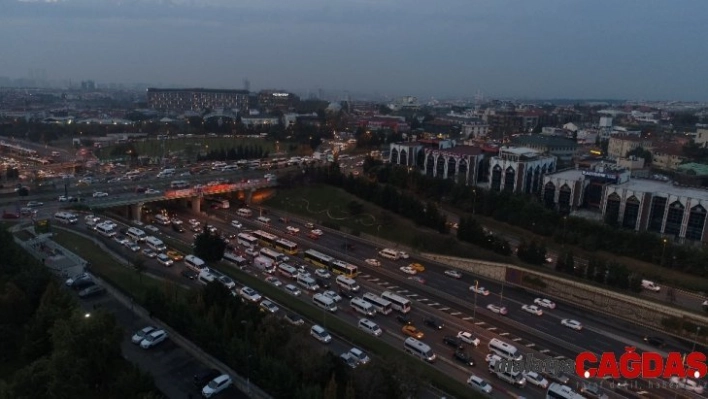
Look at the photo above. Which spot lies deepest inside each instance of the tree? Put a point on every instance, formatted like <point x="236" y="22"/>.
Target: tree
<point x="330" y="391"/>
<point x="209" y="247"/>
<point x="355" y="208"/>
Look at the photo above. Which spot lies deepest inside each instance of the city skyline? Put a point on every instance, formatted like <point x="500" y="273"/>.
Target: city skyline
<point x="546" y="49"/>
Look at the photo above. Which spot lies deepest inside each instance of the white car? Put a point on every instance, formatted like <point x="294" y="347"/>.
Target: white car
<point x="268" y="306"/>
<point x="570" y="323"/>
<point x="534" y="378"/>
<point x="546" y="303"/>
<point x="250" y="294"/>
<point x="110" y="224"/>
<point x="216" y="385"/>
<point x="252" y="252"/>
<point x="236" y="224"/>
<point x="480" y="384"/>
<point x="501" y="310"/>
<point x="359" y="355"/>
<point x="317" y="232"/>
<point x="468" y="338"/>
<point x="453" y="273"/>
<point x="373" y="262"/>
<point x="403" y="255"/>
<point x="292" y="230"/>
<point x="320" y="334"/>
<point x="479" y="290"/>
<point x="149" y="253"/>
<point x="408" y="270"/>
<point x="687" y="384"/>
<point x="227" y="282"/>
<point x="533" y="309"/>
<point x="152" y="228"/>
<point x="332" y="295"/>
<point x="165" y="260"/>
<point x="133" y="247"/>
<point x="152" y="191"/>
<point x="98" y="194"/>
<point x="322" y="273"/>
<point x="292" y="290"/>
<point x="274" y="281"/>
<point x="193" y="222"/>
<point x="140" y="335"/>
<point x="153" y="339"/>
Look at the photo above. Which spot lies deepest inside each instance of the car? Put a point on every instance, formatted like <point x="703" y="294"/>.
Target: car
<point x="227" y="282"/>
<point x="373" y="262"/>
<point x="34" y="204"/>
<point x="216" y="385"/>
<point x="687" y="384"/>
<point x="705" y="304"/>
<point x="139" y="336"/>
<point x="320" y="334"/>
<point x="433" y="323"/>
<point x="349" y="360"/>
<point x="165" y="260"/>
<point x="322" y="283"/>
<point x="99" y="194"/>
<point x="479" y="384"/>
<point x="360" y="356"/>
<point x="407" y="270"/>
<point x="333" y="296"/>
<point x="236" y="224"/>
<point x="322" y="273"/>
<point x="501" y="310"/>
<point x="412" y="331"/>
<point x="533" y="309"/>
<point x="310" y="225"/>
<point x="592" y="390"/>
<point x="70" y="281"/>
<point x="151" y="191"/>
<point x="82" y="284"/>
<point x="453" y="274"/>
<point x="536" y="379"/>
<point x="403" y="255"/>
<point x="418" y="279"/>
<point x="190" y="274"/>
<point x="346" y="294"/>
<point x="293" y="290"/>
<point x="302" y="270"/>
<point x="294" y="319"/>
<point x="152" y="229"/>
<point x="417" y="267"/>
<point x="613" y="383"/>
<point x="274" y="281"/>
<point x="204" y="376"/>
<point x="317" y="232"/>
<point x="133" y="246"/>
<point x="63" y="198"/>
<point x="655" y="341"/>
<point x="490" y="356"/>
<point x="546" y="303"/>
<point x="479" y="290"/>
<point x="292" y="230"/>
<point x="313" y="236"/>
<point x="149" y="253"/>
<point x="463" y="357"/>
<point x="404" y="319"/>
<point x="176" y="227"/>
<point x="453" y="341"/>
<point x="252" y="252"/>
<point x="468" y="338"/>
<point x="250" y="294"/>
<point x="570" y="323"/>
<point x="268" y="306"/>
<point x="153" y="339"/>
<point x="122" y="240"/>
<point x="194" y="222"/>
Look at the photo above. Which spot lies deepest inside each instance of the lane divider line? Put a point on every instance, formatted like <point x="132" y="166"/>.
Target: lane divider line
<point x="504" y="334"/>
<point x="531" y="345"/>
<point x="454" y="313"/>
<point x="467" y="318"/>
<point x="559" y="357"/>
<point x="480" y="323"/>
<point x="544" y="351"/>
<point x="443" y="309"/>
<point x="492" y="329"/>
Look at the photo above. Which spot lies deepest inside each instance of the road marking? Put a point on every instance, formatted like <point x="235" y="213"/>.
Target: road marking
<point x="544" y="351"/>
<point x="401" y="291"/>
<point x="467" y="318"/>
<point x="517" y="339"/>
<point x="559" y="357"/>
<point x="412" y="295"/>
<point x="480" y="323"/>
<point x="504" y="334"/>
<point x="392" y="287"/>
<point x="365" y="275"/>
<point x="455" y="313"/>
<point x="531" y="345"/>
<point x="373" y="280"/>
<point x="492" y="329"/>
<point x="443" y="309"/>
<point x="434" y="304"/>
<point x="423" y="300"/>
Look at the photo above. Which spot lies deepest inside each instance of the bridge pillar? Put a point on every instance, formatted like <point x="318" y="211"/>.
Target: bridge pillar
<point x="196" y="204"/>
<point x="249" y="196"/>
<point x="136" y="211"/>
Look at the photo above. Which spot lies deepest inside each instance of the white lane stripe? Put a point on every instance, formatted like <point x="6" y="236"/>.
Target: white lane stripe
<point x="544" y="351"/>
<point x="492" y="329"/>
<point x="444" y="309"/>
<point x="504" y="334"/>
<point x="467" y="318"/>
<point x="559" y="357"/>
<point x="531" y="345"/>
<point x="455" y="313"/>
<point x="517" y="339"/>
<point x="479" y="323"/>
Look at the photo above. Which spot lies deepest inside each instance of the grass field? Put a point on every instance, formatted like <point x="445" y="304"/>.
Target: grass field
<point x="193" y="146"/>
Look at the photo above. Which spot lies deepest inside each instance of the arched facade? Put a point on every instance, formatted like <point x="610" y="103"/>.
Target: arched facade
<point x="520" y="173"/>
<point x="459" y="164"/>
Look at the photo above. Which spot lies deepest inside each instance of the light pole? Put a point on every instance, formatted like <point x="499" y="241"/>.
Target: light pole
<point x="698" y="331"/>
<point x="474" y="202"/>
<point x="663" y="250"/>
<point x="248" y="357"/>
<point x="474" y="309"/>
<point x="501" y="295"/>
<point x="565" y="229"/>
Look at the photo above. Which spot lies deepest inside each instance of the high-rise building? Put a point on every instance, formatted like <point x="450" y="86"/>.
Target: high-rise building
<point x="196" y="99"/>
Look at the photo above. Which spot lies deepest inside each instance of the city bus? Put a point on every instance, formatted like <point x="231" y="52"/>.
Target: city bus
<point x="558" y="391"/>
<point x="381" y="305"/>
<point x="246" y="240"/>
<point x="286" y="246"/>
<point x="318" y="258"/>
<point x="264" y="238"/>
<point x="398" y="303"/>
<point x="346" y="269"/>
<point x="275" y="256"/>
<point x="179" y="184"/>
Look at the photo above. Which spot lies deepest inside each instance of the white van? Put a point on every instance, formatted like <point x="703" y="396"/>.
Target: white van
<point x="419" y="349"/>
<point x="324" y="302"/>
<point x="195" y="263"/>
<point x="244" y="212"/>
<point x="506" y="351"/>
<point x="136" y="234"/>
<point x="265" y="264"/>
<point x="649" y="285"/>
<point x="155" y="244"/>
<point x="361" y="306"/>
<point x="389" y="253"/>
<point x="347" y="284"/>
<point x="240" y="261"/>
<point x="66" y="217"/>
<point x="287" y="271"/>
<point x="370" y="327"/>
<point x="105" y="230"/>
<point x="307" y="283"/>
<point x="205" y="277"/>
<point x="162" y="219"/>
<point x="263" y="219"/>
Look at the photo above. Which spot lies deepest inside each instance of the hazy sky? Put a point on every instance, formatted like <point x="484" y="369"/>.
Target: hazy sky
<point x="643" y="49"/>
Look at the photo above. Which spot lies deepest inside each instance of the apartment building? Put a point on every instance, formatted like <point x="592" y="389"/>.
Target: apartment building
<point x="196" y="99"/>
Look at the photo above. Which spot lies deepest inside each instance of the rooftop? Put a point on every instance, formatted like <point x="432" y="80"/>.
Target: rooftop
<point x="157" y="90"/>
<point x="698" y="169"/>
<point x="460" y="150"/>
<point x="664" y="189"/>
<point x="541" y="140"/>
<point x="519" y="151"/>
<point x="570" y="174"/>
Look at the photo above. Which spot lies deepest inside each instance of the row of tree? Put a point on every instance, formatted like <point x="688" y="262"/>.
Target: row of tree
<point x="469" y="230"/>
<point x="282" y="359"/>
<point x="235" y="153"/>
<point x="529" y="213"/>
<point x="49" y="348"/>
<point x="599" y="271"/>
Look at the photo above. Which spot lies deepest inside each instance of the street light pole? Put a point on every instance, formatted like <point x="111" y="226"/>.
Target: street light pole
<point x="663" y="250"/>
<point x="474" y="203"/>
<point x="474" y="309"/>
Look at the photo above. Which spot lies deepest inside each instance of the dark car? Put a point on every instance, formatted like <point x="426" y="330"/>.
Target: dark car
<point x="655" y="341"/>
<point x="322" y="283"/>
<point x="404" y="319"/>
<point x="190" y="274"/>
<point x="82" y="284"/>
<point x="346" y="294"/>
<point x="177" y="228"/>
<point x="433" y="323"/>
<point x="203" y="377"/>
<point x="93" y="290"/>
<point x="463" y="358"/>
<point x="453" y="341"/>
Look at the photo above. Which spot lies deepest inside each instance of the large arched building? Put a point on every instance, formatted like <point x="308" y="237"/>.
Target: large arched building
<point x="519" y="169"/>
<point x="460" y="164"/>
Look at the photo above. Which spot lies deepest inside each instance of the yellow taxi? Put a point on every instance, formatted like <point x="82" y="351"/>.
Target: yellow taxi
<point x="417" y="267"/>
<point x="174" y="255"/>
<point x="411" y="331"/>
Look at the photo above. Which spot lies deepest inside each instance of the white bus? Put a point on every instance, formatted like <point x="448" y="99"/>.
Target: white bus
<point x="105" y="230"/>
<point x="347" y="284"/>
<point x="155" y="244"/>
<point x="307" y="283"/>
<point x="136" y="234"/>
<point x="381" y="305"/>
<point x="389" y="253"/>
<point x="178" y="184"/>
<point x="246" y="240"/>
<point x="419" y="349"/>
<point x="244" y="212"/>
<point x="324" y="302"/>
<point x="361" y="306"/>
<point x="275" y="256"/>
<point x="66" y="217"/>
<point x="504" y="350"/>
<point x="398" y="303"/>
<point x="558" y="391"/>
<point x="195" y="264"/>
<point x="287" y="270"/>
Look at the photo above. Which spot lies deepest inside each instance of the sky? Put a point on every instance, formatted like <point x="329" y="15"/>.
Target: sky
<point x="602" y="49"/>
